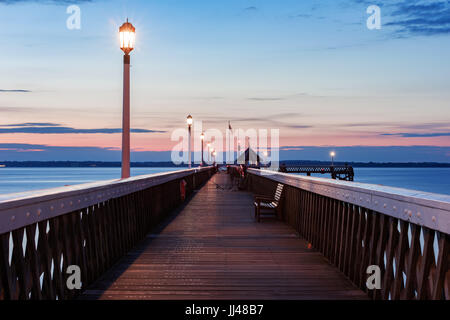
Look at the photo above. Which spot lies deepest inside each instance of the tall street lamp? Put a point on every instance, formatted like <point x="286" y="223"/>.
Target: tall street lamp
<point x="189" y="122"/>
<point x="127" y="39"/>
<point x="202" y="137"/>
<point x="209" y="152"/>
<point x="332" y="154"/>
<point x="238" y="151"/>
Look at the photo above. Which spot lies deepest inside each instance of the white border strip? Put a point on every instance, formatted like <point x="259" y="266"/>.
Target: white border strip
<point x="425" y="209"/>
<point x="22" y="209"/>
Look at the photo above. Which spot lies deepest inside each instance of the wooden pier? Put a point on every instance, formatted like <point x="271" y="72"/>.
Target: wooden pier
<point x="191" y="234"/>
<point x="213" y="249"/>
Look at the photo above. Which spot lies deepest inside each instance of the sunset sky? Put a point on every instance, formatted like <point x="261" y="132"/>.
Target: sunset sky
<point x="309" y="68"/>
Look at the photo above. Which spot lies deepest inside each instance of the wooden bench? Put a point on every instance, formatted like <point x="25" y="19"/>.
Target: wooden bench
<point x="269" y="205"/>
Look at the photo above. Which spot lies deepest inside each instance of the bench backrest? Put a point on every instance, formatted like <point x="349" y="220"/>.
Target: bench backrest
<point x="279" y="192"/>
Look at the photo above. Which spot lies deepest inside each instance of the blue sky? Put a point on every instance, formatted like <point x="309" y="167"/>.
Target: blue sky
<point x="310" y="68"/>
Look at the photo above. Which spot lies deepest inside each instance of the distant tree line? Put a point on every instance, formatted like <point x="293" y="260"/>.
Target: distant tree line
<point x="370" y="164"/>
<point x="167" y="164"/>
<point x="84" y="164"/>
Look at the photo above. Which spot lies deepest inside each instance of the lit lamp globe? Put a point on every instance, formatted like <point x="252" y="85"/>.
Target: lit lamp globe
<point x="332" y="154"/>
<point x="189" y="120"/>
<point x="127" y="37"/>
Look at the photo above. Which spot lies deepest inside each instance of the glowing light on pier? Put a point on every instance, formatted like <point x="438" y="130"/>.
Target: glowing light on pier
<point x="189" y="120"/>
<point x="127" y="34"/>
<point x="332" y="155"/>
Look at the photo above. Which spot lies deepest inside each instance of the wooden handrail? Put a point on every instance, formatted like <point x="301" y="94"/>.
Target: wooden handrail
<point x="20" y="209"/>
<point x="91" y="226"/>
<point x="422" y="208"/>
<point x="405" y="233"/>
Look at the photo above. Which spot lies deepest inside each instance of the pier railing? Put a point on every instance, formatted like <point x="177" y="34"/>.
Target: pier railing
<point x="89" y="226"/>
<point x="405" y="233"/>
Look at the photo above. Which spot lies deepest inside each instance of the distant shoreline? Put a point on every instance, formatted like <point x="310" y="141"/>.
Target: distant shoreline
<point x="99" y="164"/>
<point x="372" y="164"/>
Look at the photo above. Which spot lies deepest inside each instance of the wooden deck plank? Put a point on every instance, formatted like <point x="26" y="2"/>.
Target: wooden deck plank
<point x="213" y="249"/>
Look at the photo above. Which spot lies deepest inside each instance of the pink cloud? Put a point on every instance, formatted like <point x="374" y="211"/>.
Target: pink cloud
<point x="148" y="142"/>
<point x="30" y="150"/>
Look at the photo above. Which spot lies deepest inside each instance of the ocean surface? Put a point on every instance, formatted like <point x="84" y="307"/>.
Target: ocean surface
<point x="12" y="180"/>
<point x="434" y="180"/>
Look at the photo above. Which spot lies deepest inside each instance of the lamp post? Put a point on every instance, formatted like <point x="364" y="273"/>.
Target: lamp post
<point x="127" y="39"/>
<point x="209" y="152"/>
<point x="332" y="154"/>
<point x="202" y="138"/>
<point x="214" y="156"/>
<point x="239" y="151"/>
<point x="189" y="122"/>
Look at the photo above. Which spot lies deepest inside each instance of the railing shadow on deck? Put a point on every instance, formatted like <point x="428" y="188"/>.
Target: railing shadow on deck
<point x="91" y="226"/>
<point x="403" y="232"/>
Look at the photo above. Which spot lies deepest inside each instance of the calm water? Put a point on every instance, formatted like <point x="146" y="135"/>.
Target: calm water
<point x="435" y="180"/>
<point x="13" y="180"/>
<point x="26" y="179"/>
